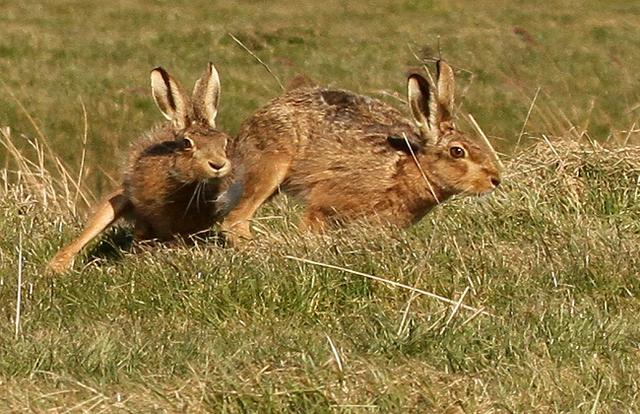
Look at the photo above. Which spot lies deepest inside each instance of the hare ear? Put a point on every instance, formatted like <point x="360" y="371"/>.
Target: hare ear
<point x="206" y="96"/>
<point x="444" y="95"/>
<point x="419" y="102"/>
<point x="169" y="97"/>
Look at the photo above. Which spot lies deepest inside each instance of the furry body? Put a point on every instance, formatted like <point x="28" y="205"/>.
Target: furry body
<point x="349" y="156"/>
<point x="176" y="181"/>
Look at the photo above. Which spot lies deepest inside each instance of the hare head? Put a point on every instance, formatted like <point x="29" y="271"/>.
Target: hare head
<point x="458" y="164"/>
<point x="202" y="146"/>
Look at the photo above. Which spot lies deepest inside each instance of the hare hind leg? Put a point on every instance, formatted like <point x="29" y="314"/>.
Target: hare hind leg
<point x="322" y="210"/>
<point x="314" y="220"/>
<point x="261" y="181"/>
<point x="109" y="210"/>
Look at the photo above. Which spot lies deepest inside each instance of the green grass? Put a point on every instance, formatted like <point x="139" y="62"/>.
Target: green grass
<point x="553" y="256"/>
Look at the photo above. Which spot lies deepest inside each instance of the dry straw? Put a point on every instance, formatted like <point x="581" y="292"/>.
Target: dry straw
<point x="456" y="304"/>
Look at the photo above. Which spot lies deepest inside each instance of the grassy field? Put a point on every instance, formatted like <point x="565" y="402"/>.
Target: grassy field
<point x="541" y="276"/>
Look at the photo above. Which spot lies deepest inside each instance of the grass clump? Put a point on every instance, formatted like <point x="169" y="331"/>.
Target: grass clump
<point x="551" y="257"/>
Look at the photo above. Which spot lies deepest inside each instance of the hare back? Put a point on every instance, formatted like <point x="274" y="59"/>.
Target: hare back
<point x="340" y="153"/>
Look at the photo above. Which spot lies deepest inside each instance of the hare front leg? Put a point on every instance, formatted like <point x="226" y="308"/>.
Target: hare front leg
<point x="261" y="181"/>
<point x="108" y="211"/>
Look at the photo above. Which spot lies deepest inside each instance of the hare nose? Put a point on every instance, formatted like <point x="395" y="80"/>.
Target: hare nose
<point x="217" y="165"/>
<point x="495" y="181"/>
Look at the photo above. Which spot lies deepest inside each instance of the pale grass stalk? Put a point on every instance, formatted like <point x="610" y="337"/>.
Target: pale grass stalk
<point x="83" y="403"/>
<point x="466" y="89"/>
<point x="436" y="322"/>
<point x="422" y="62"/>
<point x="5" y="180"/>
<point x="23" y="163"/>
<point x="470" y="318"/>
<point x="486" y="141"/>
<point x="26" y="168"/>
<point x="587" y="120"/>
<point x="104" y="409"/>
<point x="553" y="149"/>
<point x="405" y="314"/>
<point x="38" y="178"/>
<point x="336" y="356"/>
<point x="62" y="170"/>
<point x="633" y="108"/>
<point x="353" y="406"/>
<point x="53" y="394"/>
<point x="455" y="310"/>
<point x="58" y="377"/>
<point x="85" y="135"/>
<point x="424" y="176"/>
<point x="259" y="60"/>
<point x="526" y="119"/>
<point x="92" y="407"/>
<point x="91" y="389"/>
<point x="562" y="120"/>
<point x="391" y="282"/>
<point x="464" y="265"/>
<point x="629" y="132"/>
<point x="41" y="170"/>
<point x="391" y="95"/>
<point x="594" y="408"/>
<point x="551" y="117"/>
<point x="19" y="293"/>
<point x="32" y="121"/>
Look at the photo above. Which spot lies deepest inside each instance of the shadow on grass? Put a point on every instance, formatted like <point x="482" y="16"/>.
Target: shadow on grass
<point x="112" y="245"/>
<point x="119" y="240"/>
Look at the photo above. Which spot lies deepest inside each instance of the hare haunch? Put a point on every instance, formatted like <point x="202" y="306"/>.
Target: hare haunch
<point x="349" y="156"/>
<point x="173" y="184"/>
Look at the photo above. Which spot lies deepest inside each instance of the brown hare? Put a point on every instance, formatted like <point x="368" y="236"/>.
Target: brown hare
<point x="349" y="156"/>
<point x="173" y="184"/>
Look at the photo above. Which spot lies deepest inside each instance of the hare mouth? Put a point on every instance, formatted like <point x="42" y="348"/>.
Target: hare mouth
<point x="213" y="173"/>
<point x="477" y="192"/>
<point x="221" y="173"/>
<point x="487" y="192"/>
<point x="212" y="179"/>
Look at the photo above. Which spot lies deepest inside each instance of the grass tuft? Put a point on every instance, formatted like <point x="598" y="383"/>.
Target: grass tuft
<point x="551" y="257"/>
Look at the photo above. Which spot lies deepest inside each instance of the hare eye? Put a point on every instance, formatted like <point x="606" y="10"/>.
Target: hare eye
<point x="187" y="143"/>
<point x="457" y="152"/>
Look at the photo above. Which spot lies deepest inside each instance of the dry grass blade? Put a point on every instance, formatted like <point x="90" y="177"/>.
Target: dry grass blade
<point x="85" y="134"/>
<point x="486" y="141"/>
<point x="19" y="289"/>
<point x="594" y="408"/>
<point x="390" y="282"/>
<point x="235" y="39"/>
<point x="526" y="119"/>
<point x="455" y="310"/>
<point x="424" y="176"/>
<point x="53" y="186"/>
<point x="336" y="356"/>
<point x="405" y="314"/>
<point x="32" y="121"/>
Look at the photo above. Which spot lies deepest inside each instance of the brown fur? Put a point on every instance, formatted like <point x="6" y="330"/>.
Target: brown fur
<point x="174" y="179"/>
<point x="346" y="156"/>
